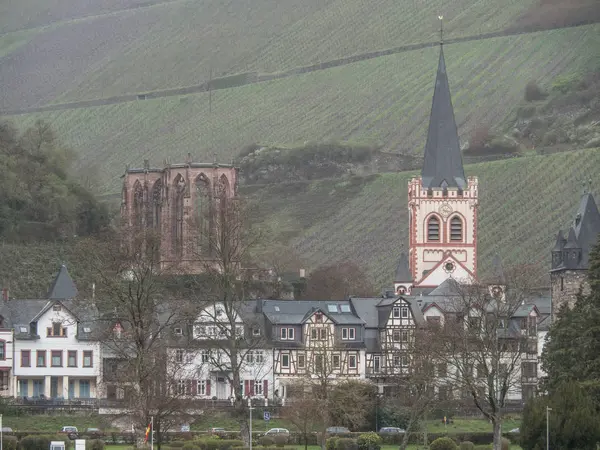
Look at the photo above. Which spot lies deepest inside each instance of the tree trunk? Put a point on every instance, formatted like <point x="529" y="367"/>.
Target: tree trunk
<point x="323" y="438"/>
<point x="158" y="434"/>
<point x="497" y="424"/>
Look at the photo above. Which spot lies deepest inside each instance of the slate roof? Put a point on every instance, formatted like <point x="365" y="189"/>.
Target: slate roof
<point x="294" y="312"/>
<point x="442" y="166"/>
<point x="63" y="286"/>
<point x="582" y="235"/>
<point x="403" y="269"/>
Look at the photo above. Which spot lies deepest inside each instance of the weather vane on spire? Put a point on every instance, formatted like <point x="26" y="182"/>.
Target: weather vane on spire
<point x="441" y="29"/>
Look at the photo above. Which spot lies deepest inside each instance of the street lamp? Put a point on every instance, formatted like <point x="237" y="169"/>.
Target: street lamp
<point x="250" y="408"/>
<point x="548" y="409"/>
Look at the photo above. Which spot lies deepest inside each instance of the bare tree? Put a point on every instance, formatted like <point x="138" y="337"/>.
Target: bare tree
<point x="489" y="342"/>
<point x="419" y="388"/>
<point x="303" y="414"/>
<point x="224" y="324"/>
<point x="138" y="309"/>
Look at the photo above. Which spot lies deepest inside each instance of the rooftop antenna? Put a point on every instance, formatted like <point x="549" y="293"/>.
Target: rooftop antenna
<point x="441" y="29"/>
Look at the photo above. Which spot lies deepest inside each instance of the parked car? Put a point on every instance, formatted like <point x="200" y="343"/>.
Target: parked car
<point x="7" y="430"/>
<point x="277" y="431"/>
<point x="337" y="430"/>
<point x="216" y="430"/>
<point x="391" y="430"/>
<point x="71" y="432"/>
<point x="94" y="432"/>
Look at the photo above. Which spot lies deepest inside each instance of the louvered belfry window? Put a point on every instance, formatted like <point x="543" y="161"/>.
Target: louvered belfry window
<point x="456" y="229"/>
<point x="433" y="229"/>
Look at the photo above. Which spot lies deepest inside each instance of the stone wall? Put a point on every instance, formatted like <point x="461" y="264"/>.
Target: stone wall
<point x="565" y="287"/>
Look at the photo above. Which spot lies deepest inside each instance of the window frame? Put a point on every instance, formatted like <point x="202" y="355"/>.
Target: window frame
<point x="91" y="356"/>
<point x="301" y="358"/>
<point x="336" y="361"/>
<point x="396" y="312"/>
<point x="39" y="353"/>
<point x="396" y="333"/>
<point x="283" y="357"/>
<point x="350" y="359"/>
<point x="3" y="350"/>
<point x="451" y="222"/>
<point x="28" y="354"/>
<point x="179" y="356"/>
<point x="52" y="354"/>
<point x="429" y="234"/>
<point x="71" y="353"/>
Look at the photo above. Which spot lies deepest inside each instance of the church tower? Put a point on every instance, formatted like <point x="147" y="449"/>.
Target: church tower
<point x="442" y="202"/>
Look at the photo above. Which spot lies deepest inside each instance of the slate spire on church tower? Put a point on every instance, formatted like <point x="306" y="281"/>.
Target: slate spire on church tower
<point x="442" y="166"/>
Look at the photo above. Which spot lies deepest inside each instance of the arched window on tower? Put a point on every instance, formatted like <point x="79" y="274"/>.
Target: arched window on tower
<point x="203" y="214"/>
<point x="456" y="229"/>
<point x="433" y="229"/>
<point x="178" y="194"/>
<point x="138" y="204"/>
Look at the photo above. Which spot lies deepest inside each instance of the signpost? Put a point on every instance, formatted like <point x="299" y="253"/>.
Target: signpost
<point x="266" y="416"/>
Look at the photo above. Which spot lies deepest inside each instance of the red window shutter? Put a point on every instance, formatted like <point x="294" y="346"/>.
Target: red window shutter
<point x="251" y="387"/>
<point x="207" y="387"/>
<point x="246" y="388"/>
<point x="194" y="387"/>
<point x="266" y="388"/>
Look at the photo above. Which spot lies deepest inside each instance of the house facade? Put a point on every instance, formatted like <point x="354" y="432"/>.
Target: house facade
<point x="54" y="356"/>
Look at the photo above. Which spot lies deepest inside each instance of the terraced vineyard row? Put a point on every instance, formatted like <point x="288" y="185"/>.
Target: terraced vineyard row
<point x="175" y="44"/>
<point x="523" y="200"/>
<point x="384" y="100"/>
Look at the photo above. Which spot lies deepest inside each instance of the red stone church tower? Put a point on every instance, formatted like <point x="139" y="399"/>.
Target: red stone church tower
<point x="442" y="203"/>
<point x="177" y="201"/>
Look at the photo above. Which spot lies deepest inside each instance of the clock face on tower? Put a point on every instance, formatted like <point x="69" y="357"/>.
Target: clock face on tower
<point x="445" y="210"/>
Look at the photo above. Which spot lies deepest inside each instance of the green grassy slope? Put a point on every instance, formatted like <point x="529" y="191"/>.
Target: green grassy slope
<point x="523" y="202"/>
<point x="171" y="44"/>
<point x="384" y="100"/>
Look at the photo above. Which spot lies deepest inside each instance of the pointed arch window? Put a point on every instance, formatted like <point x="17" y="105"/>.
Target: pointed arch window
<point x="138" y="204"/>
<point x="203" y="213"/>
<point x="456" y="229"/>
<point x="433" y="229"/>
<point x="178" y="194"/>
<point x="156" y="205"/>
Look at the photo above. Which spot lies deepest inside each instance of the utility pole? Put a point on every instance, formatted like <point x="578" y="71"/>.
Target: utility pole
<point x="548" y="409"/>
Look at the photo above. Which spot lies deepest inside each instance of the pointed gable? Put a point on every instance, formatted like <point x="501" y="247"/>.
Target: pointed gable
<point x="442" y="166"/>
<point x="63" y="287"/>
<point x="587" y="226"/>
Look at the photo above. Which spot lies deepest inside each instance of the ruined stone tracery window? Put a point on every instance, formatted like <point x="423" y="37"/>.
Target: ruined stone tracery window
<point x="178" y="195"/>
<point x="138" y="204"/>
<point x="203" y="214"/>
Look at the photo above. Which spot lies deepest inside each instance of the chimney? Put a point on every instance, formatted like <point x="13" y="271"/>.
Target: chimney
<point x="5" y="294"/>
<point x="302" y="273"/>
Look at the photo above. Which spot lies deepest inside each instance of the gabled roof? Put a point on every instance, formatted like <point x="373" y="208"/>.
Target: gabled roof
<point x="402" y="269"/>
<point x="443" y="166"/>
<point x="450" y="287"/>
<point x="587" y="226"/>
<point x="63" y="287"/>
<point x="293" y="312"/>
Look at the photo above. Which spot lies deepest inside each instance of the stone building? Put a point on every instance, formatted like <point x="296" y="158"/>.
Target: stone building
<point x="179" y="202"/>
<point x="570" y="255"/>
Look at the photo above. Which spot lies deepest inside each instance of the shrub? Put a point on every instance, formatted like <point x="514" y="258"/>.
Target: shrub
<point x="505" y="444"/>
<point x="566" y="83"/>
<point x="41" y="442"/>
<point x="526" y="112"/>
<point x="369" y="441"/>
<point x="176" y="444"/>
<point x="483" y="447"/>
<point x="443" y="443"/>
<point x="331" y="443"/>
<point x="533" y="92"/>
<point x="466" y="445"/>
<point x="266" y="441"/>
<point x="346" y="444"/>
<point x="9" y="443"/>
<point x="280" y="440"/>
<point x="94" y="444"/>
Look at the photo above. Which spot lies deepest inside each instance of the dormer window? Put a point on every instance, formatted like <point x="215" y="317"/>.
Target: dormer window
<point x="255" y="331"/>
<point x="56" y="330"/>
<point x="178" y="331"/>
<point x="433" y="229"/>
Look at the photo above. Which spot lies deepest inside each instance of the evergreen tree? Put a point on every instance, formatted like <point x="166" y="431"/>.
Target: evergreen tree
<point x="572" y="350"/>
<point x="574" y="421"/>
